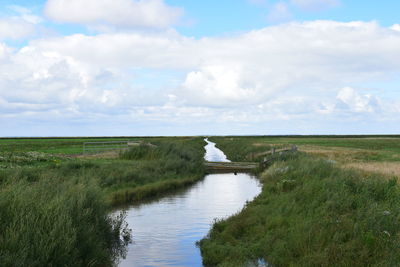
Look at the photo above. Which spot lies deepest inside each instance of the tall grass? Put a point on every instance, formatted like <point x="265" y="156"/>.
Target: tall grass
<point x="168" y="166"/>
<point x="48" y="223"/>
<point x="56" y="213"/>
<point x="312" y="213"/>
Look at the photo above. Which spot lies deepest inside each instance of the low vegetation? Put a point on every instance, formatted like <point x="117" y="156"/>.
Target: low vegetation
<point x="334" y="203"/>
<point x="379" y="154"/>
<point x="313" y="210"/>
<point x="55" y="208"/>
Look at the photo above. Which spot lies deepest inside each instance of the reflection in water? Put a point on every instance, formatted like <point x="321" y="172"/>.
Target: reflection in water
<point x="213" y="153"/>
<point x="165" y="232"/>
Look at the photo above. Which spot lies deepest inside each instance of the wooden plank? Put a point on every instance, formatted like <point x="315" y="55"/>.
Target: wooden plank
<point x="231" y="166"/>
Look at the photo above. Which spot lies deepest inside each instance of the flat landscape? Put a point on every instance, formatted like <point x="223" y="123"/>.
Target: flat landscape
<point x="334" y="202"/>
<point x="246" y="133"/>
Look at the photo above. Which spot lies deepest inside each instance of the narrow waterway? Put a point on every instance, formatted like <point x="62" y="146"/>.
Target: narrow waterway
<point x="165" y="231"/>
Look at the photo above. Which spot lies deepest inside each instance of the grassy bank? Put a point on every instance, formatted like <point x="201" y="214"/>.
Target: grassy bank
<point x="312" y="213"/>
<point x="313" y="210"/>
<point x="54" y="208"/>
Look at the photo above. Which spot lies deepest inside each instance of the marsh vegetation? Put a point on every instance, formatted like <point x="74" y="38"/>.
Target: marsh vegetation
<point x="54" y="208"/>
<point x="334" y="203"/>
<point x="313" y="210"/>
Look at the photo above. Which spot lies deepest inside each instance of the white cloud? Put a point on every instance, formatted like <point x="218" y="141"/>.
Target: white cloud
<point x="114" y="13"/>
<point x="219" y="86"/>
<point x="25" y="14"/>
<point x="286" y="72"/>
<point x="396" y="27"/>
<point x="279" y="12"/>
<point x="350" y="99"/>
<point x="15" y="29"/>
<point x="315" y="5"/>
<point x="19" y="26"/>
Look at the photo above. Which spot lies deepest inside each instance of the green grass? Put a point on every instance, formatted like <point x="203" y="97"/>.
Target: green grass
<point x="166" y="164"/>
<point x="374" y="148"/>
<point x="57" y="223"/>
<point x="311" y="213"/>
<point x="54" y="210"/>
<point x="58" y="145"/>
<point x="54" y="207"/>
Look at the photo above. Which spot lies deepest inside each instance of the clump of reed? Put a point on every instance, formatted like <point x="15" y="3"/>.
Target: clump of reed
<point x="53" y="223"/>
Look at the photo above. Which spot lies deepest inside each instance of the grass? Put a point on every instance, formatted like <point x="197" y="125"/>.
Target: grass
<point x="141" y="172"/>
<point x="72" y="145"/>
<point x="367" y="153"/>
<point x="380" y="148"/>
<point x="315" y="209"/>
<point x="55" y="208"/>
<point x="311" y="213"/>
<point x="57" y="223"/>
<point x="334" y="204"/>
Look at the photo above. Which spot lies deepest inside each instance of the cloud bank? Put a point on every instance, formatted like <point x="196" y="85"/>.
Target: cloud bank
<point x="114" y="13"/>
<point x="299" y="76"/>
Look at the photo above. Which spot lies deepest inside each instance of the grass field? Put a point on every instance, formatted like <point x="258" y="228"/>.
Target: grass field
<point x="55" y="203"/>
<point x="314" y="210"/>
<point x="335" y="203"/>
<point x="65" y="146"/>
<point x="379" y="154"/>
<point x="158" y="165"/>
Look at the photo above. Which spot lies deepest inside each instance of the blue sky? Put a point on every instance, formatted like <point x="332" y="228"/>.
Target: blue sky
<point x="175" y="67"/>
<point x="230" y="16"/>
<point x="210" y="18"/>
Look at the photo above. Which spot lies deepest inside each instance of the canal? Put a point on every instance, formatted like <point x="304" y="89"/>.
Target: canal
<point x="165" y="232"/>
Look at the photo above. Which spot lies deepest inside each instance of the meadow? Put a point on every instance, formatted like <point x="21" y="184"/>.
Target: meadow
<point x="319" y="207"/>
<point x="55" y="203"/>
<point x="379" y="154"/>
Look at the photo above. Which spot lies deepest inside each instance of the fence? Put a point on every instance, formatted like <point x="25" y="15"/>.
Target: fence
<point x="95" y="147"/>
<point x="270" y="156"/>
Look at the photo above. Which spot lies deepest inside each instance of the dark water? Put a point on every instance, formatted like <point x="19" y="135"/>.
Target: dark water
<point x="165" y="231"/>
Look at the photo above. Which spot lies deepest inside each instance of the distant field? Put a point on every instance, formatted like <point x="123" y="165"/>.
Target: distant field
<point x="377" y="143"/>
<point x="370" y="153"/>
<point x="380" y="143"/>
<point x="55" y="145"/>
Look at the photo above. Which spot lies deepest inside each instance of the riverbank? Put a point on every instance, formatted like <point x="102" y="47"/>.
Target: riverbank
<point x="313" y="211"/>
<point x="54" y="206"/>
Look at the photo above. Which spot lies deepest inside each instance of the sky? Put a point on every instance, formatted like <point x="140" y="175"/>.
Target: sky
<point x="179" y="67"/>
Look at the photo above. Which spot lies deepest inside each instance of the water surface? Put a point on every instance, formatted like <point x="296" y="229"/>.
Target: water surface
<point x="165" y="231"/>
